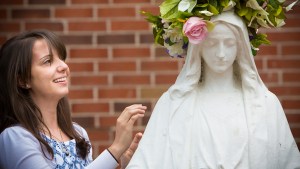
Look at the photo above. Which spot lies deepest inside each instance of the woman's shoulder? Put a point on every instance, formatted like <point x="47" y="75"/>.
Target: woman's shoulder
<point x="16" y="131"/>
<point x="17" y="134"/>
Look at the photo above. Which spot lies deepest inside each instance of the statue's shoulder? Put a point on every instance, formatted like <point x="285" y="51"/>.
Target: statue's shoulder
<point x="272" y="100"/>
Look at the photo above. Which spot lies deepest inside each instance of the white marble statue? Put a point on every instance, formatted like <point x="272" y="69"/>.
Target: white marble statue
<point x="218" y="114"/>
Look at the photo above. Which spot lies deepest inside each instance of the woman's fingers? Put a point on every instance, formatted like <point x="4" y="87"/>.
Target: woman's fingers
<point x="131" y="111"/>
<point x="133" y="119"/>
<point x="124" y="128"/>
<point x="126" y="157"/>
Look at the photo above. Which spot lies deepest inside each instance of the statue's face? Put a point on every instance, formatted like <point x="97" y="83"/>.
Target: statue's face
<point x="219" y="49"/>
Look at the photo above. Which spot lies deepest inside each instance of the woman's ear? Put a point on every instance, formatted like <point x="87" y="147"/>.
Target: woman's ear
<point x="23" y="84"/>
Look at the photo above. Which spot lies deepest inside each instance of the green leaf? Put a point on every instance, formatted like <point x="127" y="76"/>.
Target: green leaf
<point x="213" y="2"/>
<point x="213" y="10"/>
<point x="209" y="25"/>
<point x="260" y="39"/>
<point x="224" y="3"/>
<point x="192" y="5"/>
<point x="279" y="10"/>
<point x="248" y="16"/>
<point x="157" y="33"/>
<point x="274" y="3"/>
<point x="202" y="5"/>
<point x="168" y="8"/>
<point x="272" y="19"/>
<point x="254" y="52"/>
<point x="243" y="11"/>
<point x="151" y="18"/>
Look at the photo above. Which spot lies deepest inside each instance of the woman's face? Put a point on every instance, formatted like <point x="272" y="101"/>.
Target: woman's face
<point x="219" y="49"/>
<point x="49" y="75"/>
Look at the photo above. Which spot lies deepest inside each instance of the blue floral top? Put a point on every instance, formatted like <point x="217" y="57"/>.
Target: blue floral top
<point x="65" y="155"/>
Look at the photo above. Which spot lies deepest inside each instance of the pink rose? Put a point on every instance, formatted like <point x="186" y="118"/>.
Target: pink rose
<point x="195" y="29"/>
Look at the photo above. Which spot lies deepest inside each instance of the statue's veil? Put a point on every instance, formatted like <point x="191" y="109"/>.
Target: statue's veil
<point x="167" y="137"/>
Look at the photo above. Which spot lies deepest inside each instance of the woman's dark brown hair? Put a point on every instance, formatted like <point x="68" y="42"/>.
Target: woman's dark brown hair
<point x="16" y="105"/>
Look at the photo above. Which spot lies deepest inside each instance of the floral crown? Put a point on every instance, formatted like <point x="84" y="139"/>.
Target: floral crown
<point x="188" y="21"/>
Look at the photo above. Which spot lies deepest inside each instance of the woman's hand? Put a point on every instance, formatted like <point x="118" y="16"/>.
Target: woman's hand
<point x="126" y="157"/>
<point x="124" y="128"/>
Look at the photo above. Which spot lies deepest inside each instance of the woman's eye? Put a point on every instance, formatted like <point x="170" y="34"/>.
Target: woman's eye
<point x="48" y="61"/>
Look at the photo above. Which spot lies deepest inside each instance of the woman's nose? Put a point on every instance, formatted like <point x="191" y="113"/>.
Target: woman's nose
<point x="62" y="66"/>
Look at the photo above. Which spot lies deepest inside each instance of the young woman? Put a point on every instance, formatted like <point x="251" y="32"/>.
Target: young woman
<point x="36" y="127"/>
<point x="218" y="114"/>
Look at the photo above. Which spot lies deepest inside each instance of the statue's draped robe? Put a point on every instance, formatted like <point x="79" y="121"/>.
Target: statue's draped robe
<point x="178" y="135"/>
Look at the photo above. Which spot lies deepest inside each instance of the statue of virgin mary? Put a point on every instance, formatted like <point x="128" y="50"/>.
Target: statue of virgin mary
<point x="218" y="114"/>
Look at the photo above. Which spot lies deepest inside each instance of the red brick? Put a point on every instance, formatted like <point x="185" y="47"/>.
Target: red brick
<point x="88" y="53"/>
<point x="11" y="2"/>
<point x="117" y="93"/>
<point x="77" y="39"/>
<point x="292" y="22"/>
<point x="90" y="107"/>
<point x="87" y="26"/>
<point x="161" y="52"/>
<point x="295" y="131"/>
<point x="81" y="67"/>
<point x="111" y="12"/>
<point x="291" y="49"/>
<point x="10" y="27"/>
<point x="89" y="80"/>
<point x="154" y="10"/>
<point x="116" y="39"/>
<point x="159" y="65"/>
<point x="120" y="106"/>
<point x="129" y="25"/>
<point x="152" y="92"/>
<point x="73" y="12"/>
<point x="145" y="121"/>
<point x="89" y="1"/>
<point x="286" y="36"/>
<point x="81" y="94"/>
<point x="46" y="2"/>
<point x="132" y="1"/>
<point x="117" y="66"/>
<point x="269" y="77"/>
<point x="293" y="118"/>
<point x="258" y="62"/>
<point x="267" y="50"/>
<point x="291" y="77"/>
<point x="131" y="52"/>
<point x="131" y="79"/>
<point x="147" y="38"/>
<point x="108" y="121"/>
<point x="52" y="26"/>
<point x="165" y="78"/>
<point x="285" y="90"/>
<point x="284" y="63"/>
<point x="291" y="104"/>
<point x="96" y="135"/>
<point x="30" y="13"/>
<point x="85" y="122"/>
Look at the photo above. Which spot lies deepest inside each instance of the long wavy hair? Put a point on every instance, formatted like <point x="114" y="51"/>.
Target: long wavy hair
<point x="16" y="104"/>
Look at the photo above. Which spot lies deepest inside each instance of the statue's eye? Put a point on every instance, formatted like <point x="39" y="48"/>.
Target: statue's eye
<point x="210" y="42"/>
<point x="230" y="42"/>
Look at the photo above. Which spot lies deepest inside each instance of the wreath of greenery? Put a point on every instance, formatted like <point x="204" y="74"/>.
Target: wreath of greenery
<point x="168" y="26"/>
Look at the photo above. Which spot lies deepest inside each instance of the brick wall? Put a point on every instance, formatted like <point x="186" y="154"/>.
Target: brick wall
<point x="114" y="62"/>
